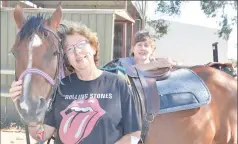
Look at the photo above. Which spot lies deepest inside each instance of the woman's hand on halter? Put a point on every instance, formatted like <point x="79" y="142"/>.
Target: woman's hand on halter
<point x="16" y="90"/>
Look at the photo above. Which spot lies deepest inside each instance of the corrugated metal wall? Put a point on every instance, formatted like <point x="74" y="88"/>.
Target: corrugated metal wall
<point x="102" y="23"/>
<point x="8" y="33"/>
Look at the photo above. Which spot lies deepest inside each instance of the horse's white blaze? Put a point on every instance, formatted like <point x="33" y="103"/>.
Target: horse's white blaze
<point x="35" y="41"/>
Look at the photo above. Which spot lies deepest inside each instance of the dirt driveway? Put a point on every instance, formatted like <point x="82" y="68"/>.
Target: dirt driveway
<point x="15" y="137"/>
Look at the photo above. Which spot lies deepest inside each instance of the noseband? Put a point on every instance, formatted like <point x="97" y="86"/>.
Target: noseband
<point x="39" y="72"/>
<point x="58" y="76"/>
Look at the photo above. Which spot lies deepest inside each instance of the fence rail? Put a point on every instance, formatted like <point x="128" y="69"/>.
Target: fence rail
<point x="4" y="88"/>
<point x="7" y="71"/>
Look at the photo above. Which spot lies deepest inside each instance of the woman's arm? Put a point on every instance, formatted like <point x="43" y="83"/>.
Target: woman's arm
<point x="130" y="121"/>
<point x="132" y="138"/>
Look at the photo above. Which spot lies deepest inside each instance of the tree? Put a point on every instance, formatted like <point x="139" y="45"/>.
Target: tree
<point x="234" y="62"/>
<point x="210" y="9"/>
<point x="159" y="26"/>
<point x="141" y="7"/>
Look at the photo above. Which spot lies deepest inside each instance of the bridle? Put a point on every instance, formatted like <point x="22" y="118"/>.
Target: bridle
<point x="58" y="75"/>
<point x="55" y="82"/>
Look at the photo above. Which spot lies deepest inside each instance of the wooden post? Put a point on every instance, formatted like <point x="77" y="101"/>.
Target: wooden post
<point x="133" y="28"/>
<point x="124" y="40"/>
<point x="215" y="52"/>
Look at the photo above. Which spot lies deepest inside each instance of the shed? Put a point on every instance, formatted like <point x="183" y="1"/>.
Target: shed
<point x="102" y="21"/>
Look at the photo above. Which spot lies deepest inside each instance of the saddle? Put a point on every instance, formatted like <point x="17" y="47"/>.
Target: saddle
<point x="145" y="93"/>
<point x="145" y="82"/>
<point x="225" y="67"/>
<point x="158" y="90"/>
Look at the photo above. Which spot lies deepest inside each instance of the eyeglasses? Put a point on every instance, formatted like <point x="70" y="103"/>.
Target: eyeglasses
<point x="78" y="45"/>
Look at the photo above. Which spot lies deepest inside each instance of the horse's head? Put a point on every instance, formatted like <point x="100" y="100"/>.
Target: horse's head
<point x="37" y="53"/>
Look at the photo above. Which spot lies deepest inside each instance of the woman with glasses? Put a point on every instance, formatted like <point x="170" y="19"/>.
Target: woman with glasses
<point x="96" y="106"/>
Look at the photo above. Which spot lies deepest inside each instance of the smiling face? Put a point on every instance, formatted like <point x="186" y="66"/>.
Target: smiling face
<point x="144" y="47"/>
<point x="81" y="46"/>
<point x="79" y="52"/>
<point x="142" y="51"/>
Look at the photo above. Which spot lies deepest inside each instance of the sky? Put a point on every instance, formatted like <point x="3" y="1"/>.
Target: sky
<point x="191" y="13"/>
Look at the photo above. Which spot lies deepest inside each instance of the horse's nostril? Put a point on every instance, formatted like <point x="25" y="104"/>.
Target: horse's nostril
<point x="42" y="103"/>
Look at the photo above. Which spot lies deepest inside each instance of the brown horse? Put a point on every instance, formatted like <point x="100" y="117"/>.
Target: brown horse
<point x="37" y="46"/>
<point x="37" y="53"/>
<point x="215" y="123"/>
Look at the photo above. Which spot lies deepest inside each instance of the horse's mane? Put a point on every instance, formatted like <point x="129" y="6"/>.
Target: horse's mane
<point x="33" y="24"/>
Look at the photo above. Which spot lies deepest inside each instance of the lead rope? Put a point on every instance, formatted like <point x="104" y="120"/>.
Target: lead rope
<point x="40" y="133"/>
<point x="25" y="125"/>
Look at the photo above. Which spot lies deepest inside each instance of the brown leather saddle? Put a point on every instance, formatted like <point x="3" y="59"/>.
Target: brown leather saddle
<point x="143" y="85"/>
<point x="145" y="82"/>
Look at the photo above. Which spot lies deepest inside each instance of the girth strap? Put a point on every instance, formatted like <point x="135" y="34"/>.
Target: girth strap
<point x="151" y="96"/>
<point x="150" y="93"/>
<point x="152" y="102"/>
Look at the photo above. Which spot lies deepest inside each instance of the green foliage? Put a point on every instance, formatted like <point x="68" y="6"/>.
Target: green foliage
<point x="160" y="27"/>
<point x="210" y="8"/>
<point x="234" y="62"/>
<point x="169" y="7"/>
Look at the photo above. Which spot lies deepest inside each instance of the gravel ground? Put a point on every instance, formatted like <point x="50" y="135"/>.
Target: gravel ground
<point x="15" y="137"/>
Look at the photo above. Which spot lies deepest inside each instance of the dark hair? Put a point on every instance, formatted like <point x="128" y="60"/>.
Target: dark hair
<point x="32" y="25"/>
<point x="144" y="35"/>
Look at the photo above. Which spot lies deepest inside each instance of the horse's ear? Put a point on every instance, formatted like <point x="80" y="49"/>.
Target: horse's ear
<point x="56" y="18"/>
<point x="19" y="17"/>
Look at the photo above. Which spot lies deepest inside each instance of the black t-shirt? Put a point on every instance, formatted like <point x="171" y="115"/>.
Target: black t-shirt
<point x="100" y="111"/>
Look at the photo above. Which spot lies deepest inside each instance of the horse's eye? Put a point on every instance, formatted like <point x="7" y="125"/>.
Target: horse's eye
<point x="12" y="53"/>
<point x="45" y="33"/>
<point x="55" y="53"/>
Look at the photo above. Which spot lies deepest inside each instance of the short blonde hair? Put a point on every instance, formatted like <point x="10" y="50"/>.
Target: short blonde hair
<point x="70" y="28"/>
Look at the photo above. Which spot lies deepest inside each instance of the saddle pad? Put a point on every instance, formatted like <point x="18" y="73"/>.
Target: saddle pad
<point x="181" y="91"/>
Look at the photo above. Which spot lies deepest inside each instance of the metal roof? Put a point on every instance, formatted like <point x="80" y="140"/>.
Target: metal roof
<point x="120" y="13"/>
<point x="75" y="4"/>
